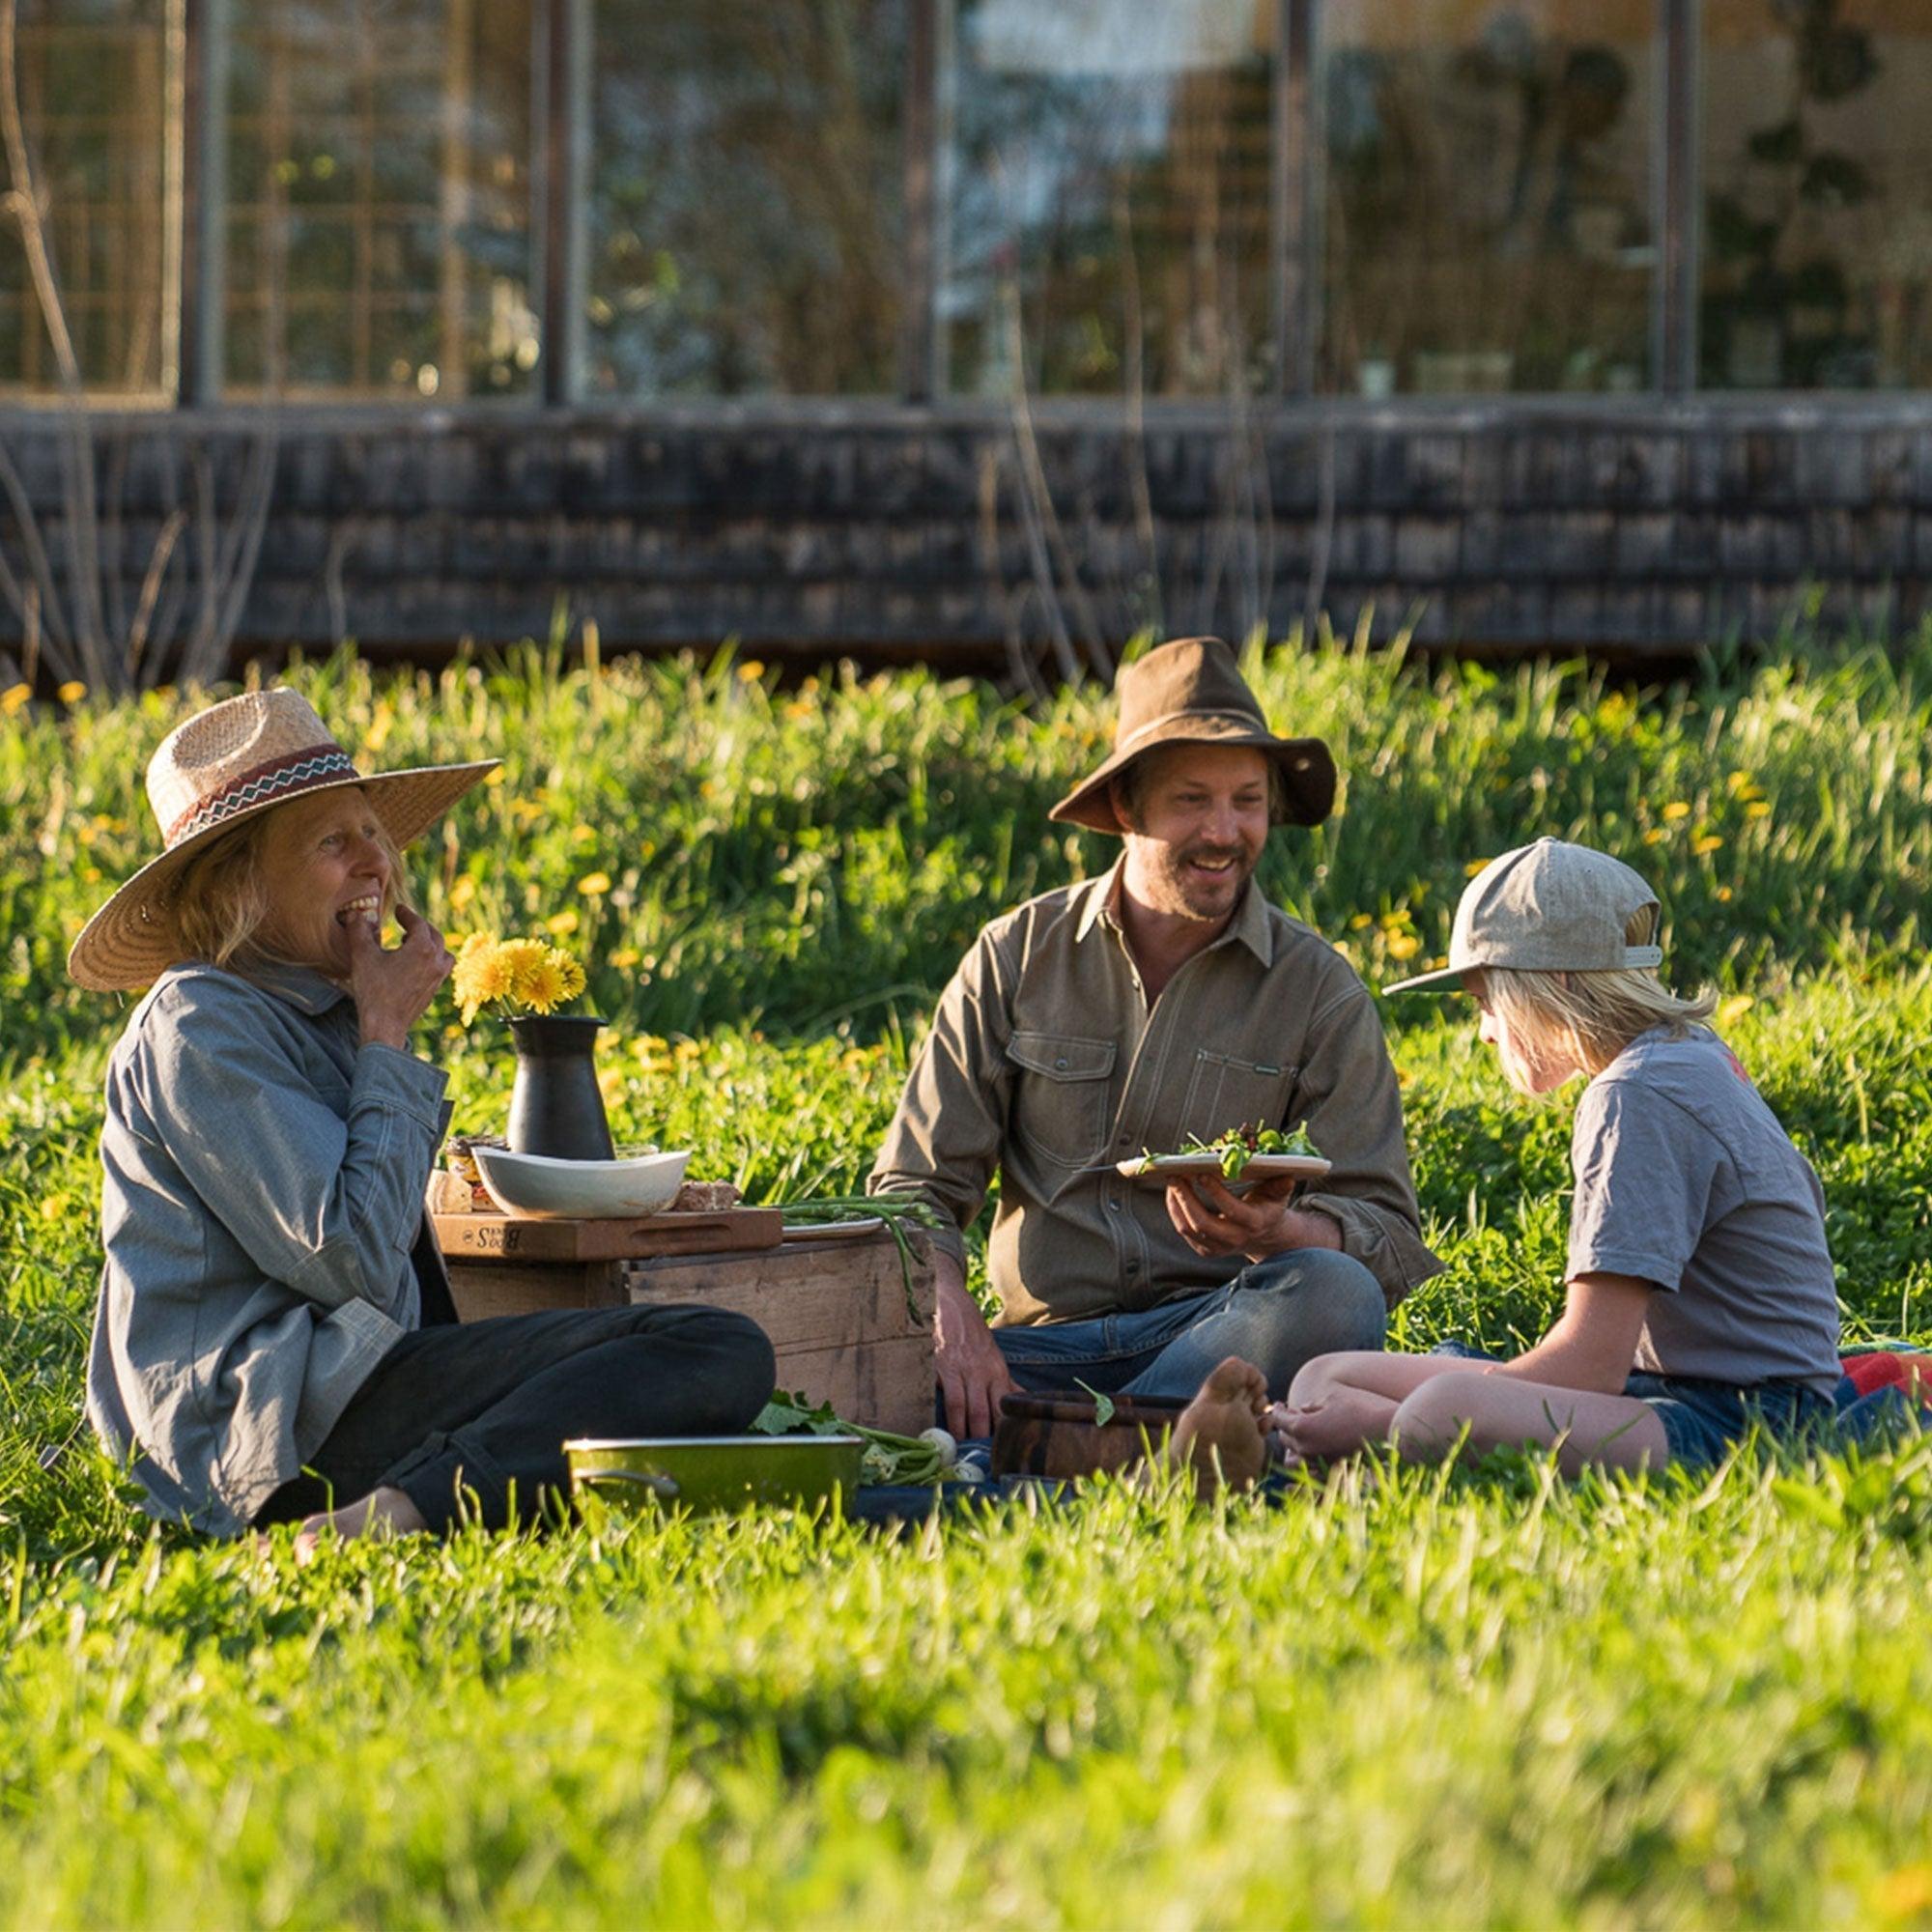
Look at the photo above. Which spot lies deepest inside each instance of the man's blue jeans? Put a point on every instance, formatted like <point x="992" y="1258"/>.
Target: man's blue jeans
<point x="1276" y="1314"/>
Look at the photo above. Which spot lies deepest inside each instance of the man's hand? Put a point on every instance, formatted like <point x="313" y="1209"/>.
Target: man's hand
<point x="1215" y="1220"/>
<point x="392" y="990"/>
<point x="972" y="1373"/>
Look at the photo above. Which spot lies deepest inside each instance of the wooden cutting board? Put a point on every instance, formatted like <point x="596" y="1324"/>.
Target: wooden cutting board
<point x="501" y="1237"/>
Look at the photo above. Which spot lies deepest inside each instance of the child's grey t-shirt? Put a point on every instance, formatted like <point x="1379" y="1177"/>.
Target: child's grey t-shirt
<point x="1685" y="1179"/>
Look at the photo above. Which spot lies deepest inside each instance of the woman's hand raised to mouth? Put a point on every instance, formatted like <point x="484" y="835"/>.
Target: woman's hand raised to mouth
<point x="392" y="990"/>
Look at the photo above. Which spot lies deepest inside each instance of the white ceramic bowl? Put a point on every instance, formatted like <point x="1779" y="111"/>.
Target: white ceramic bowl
<point x="534" y="1187"/>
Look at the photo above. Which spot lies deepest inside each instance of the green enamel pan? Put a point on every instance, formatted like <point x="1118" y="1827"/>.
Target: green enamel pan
<point x="702" y="1473"/>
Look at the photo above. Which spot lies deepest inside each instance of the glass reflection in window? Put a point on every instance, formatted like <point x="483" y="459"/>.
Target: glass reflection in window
<point x="92" y="91"/>
<point x="1107" y="193"/>
<point x="1488" y="221"/>
<point x="1817" y="247"/>
<point x="379" y="236"/>
<point x="745" y="216"/>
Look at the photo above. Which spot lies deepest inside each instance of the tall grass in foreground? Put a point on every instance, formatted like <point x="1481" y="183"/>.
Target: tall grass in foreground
<point x="1411" y="1700"/>
<point x="1485" y="1700"/>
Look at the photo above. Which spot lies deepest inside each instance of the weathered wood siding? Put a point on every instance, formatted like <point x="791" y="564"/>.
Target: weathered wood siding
<point x="1644" y="527"/>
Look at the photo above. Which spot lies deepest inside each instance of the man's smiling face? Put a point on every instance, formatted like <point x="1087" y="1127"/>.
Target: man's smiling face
<point x="1198" y="819"/>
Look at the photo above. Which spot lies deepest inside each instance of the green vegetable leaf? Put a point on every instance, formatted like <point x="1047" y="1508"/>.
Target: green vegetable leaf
<point x="1104" y="1405"/>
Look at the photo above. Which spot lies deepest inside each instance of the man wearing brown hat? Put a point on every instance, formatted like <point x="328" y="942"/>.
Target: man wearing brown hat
<point x="1164" y="999"/>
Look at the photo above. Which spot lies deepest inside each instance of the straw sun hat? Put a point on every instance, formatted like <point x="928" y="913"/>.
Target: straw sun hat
<point x="224" y="765"/>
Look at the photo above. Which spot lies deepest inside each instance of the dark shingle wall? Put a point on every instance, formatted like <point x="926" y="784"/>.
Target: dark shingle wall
<point x="1639" y="528"/>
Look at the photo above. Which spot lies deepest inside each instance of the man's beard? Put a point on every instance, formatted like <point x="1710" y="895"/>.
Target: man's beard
<point x="1175" y="889"/>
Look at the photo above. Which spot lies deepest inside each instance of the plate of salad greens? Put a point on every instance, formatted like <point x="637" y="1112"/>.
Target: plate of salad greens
<point x="1241" y="1156"/>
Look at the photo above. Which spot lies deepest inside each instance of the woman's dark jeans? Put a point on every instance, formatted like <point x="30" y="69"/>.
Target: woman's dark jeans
<point x="480" y="1411"/>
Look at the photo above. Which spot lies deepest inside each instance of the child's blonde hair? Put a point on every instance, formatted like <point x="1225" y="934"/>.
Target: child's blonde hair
<point x="1594" y="1015"/>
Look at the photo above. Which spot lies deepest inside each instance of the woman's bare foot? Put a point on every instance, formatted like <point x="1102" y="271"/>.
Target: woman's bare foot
<point x="1219" y="1435"/>
<point x="383" y="1512"/>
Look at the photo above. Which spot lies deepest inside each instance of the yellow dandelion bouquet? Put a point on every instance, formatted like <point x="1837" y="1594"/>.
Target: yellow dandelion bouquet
<point x="513" y="976"/>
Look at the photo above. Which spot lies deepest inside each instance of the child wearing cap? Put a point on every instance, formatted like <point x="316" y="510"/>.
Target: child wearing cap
<point x="1701" y="1299"/>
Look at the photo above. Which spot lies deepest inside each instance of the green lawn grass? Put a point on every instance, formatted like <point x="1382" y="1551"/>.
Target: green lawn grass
<point x="1409" y="1699"/>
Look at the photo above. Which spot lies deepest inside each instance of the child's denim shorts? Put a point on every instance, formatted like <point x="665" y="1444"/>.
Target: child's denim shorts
<point x="1703" y="1420"/>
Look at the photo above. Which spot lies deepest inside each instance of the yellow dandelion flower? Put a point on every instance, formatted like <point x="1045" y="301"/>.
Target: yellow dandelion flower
<point x="541" y="985"/>
<point x="1676" y="811"/>
<point x="625" y="957"/>
<point x="1655" y="836"/>
<point x="1735" y="1007"/>
<point x="461" y="892"/>
<point x="1758" y="808"/>
<point x="520" y="958"/>
<point x="1361" y="921"/>
<point x="14" y="697"/>
<point x="561" y="924"/>
<point x="1474" y="867"/>
<point x="481" y="974"/>
<point x="494" y="778"/>
<point x="583" y="835"/>
<point x="72" y="691"/>
<point x="1724" y="894"/>
<point x="1705" y="843"/>
<point x="751" y="671"/>
<point x="1904" y="1893"/>
<point x="570" y="974"/>
<point x="594" y="884"/>
<point x="1404" y="946"/>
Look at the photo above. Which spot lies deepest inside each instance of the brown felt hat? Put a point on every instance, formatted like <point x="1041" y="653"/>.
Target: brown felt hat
<point x="230" y="762"/>
<point x="1191" y="693"/>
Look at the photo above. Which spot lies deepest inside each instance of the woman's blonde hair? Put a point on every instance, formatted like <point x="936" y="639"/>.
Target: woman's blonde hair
<point x="223" y="901"/>
<point x="1593" y="1016"/>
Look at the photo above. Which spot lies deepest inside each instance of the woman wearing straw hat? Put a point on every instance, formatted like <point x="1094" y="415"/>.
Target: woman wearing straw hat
<point x="1701" y="1301"/>
<point x="275" y="1338"/>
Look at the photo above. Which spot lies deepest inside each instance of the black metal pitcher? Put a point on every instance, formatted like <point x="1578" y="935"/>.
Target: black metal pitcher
<point x="556" y="1107"/>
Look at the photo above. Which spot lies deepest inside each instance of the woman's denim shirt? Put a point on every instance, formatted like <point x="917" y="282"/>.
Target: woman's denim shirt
<point x="265" y="1178"/>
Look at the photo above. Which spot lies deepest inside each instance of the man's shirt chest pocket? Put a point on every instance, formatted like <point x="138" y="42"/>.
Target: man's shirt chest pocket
<point x="1061" y="1096"/>
<point x="1225" y="1092"/>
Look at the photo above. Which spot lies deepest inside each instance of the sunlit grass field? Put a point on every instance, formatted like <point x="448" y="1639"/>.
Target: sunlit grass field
<point x="1408" y="1699"/>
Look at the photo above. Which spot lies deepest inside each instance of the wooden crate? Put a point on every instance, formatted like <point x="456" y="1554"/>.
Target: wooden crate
<point x="837" y="1312"/>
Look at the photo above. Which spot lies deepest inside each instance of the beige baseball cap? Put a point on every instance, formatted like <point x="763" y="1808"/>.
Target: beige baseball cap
<point x="1550" y="907"/>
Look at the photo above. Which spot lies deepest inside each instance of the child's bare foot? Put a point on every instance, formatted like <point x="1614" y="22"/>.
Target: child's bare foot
<point x="383" y="1512"/>
<point x="1219" y="1435"/>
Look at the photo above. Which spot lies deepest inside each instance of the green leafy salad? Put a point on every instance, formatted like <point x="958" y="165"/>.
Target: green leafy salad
<point x="1238" y="1146"/>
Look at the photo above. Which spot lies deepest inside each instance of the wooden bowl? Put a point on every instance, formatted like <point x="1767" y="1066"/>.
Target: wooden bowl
<point x="1057" y="1436"/>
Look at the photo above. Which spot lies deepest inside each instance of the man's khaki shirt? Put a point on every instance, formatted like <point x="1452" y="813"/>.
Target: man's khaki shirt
<point x="1044" y="1064"/>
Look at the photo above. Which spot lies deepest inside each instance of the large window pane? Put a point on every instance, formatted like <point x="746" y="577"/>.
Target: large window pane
<point x="378" y="164"/>
<point x="1108" y="191"/>
<point x="1489" y="205"/>
<point x="1817" y="264"/>
<point x="93" y="106"/>
<point x="745" y="216"/>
